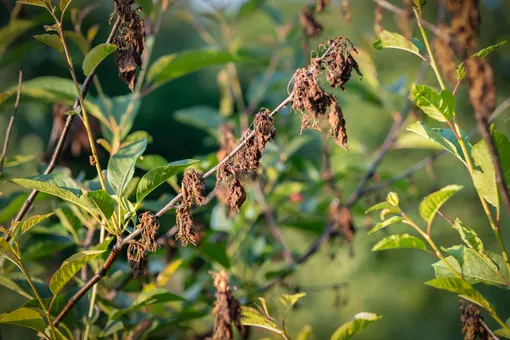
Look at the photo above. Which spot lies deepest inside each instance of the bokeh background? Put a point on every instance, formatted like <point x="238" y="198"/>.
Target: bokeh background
<point x="388" y="283"/>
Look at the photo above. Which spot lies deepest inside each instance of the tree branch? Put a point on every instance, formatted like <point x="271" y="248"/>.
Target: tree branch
<point x="11" y="122"/>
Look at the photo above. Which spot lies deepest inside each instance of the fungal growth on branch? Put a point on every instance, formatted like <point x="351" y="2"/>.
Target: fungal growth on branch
<point x="193" y="192"/>
<point x="138" y="249"/>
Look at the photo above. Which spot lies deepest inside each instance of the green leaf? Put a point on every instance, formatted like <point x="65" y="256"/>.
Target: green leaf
<point x="96" y="56"/>
<point x="290" y="300"/>
<point x="149" y="162"/>
<point x="399" y="241"/>
<point x="102" y="201"/>
<point x="384" y="224"/>
<point x="176" y="65"/>
<point x="394" y="40"/>
<point x="111" y="328"/>
<point x="10" y="284"/>
<point x="123" y="110"/>
<point x="136" y="136"/>
<point x="252" y="317"/>
<point x="444" y="137"/>
<point x="40" y="3"/>
<point x="11" y="32"/>
<point x="148" y="298"/>
<point x="503" y="332"/>
<point x="461" y="71"/>
<point x="469" y="236"/>
<point x="430" y="205"/>
<point x="52" y="40"/>
<point x="121" y="166"/>
<point x="439" y="106"/>
<point x="8" y="252"/>
<point x="487" y="268"/>
<point x="502" y="145"/>
<point x="379" y="206"/>
<point x="63" y="5"/>
<point x="63" y="187"/>
<point x="70" y="267"/>
<point x="4" y="95"/>
<point x="419" y="3"/>
<point x="155" y="177"/>
<point x="485" y="178"/>
<point x="79" y="40"/>
<point x="353" y="327"/>
<point x="462" y="288"/>
<point x="250" y="7"/>
<point x="201" y="117"/>
<point x="24" y="317"/>
<point x="33" y="221"/>
<point x="216" y="252"/>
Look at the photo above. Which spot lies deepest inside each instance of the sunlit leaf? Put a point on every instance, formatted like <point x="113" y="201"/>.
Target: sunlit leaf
<point x="70" y="267"/>
<point x="290" y="300"/>
<point x="33" y="221"/>
<point x="155" y="177"/>
<point x="462" y="288"/>
<point x="8" y="252"/>
<point x="96" y="56"/>
<point x="461" y="71"/>
<point x="252" y="317"/>
<point x="63" y="4"/>
<point x="24" y="317"/>
<point x="394" y="40"/>
<point x="439" y="106"/>
<point x="400" y="241"/>
<point x="40" y="3"/>
<point x="431" y="204"/>
<point x="4" y="95"/>
<point x="102" y="202"/>
<point x="384" y="224"/>
<point x="353" y="327"/>
<point x="52" y="40"/>
<point x="121" y="166"/>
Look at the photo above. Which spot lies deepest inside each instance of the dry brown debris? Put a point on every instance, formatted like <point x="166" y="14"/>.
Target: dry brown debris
<point x="340" y="63"/>
<point x="337" y="122"/>
<point x="130" y="42"/>
<point x="341" y="219"/>
<point x="193" y="188"/>
<point x="264" y="129"/>
<point x="138" y="249"/>
<point x="444" y="54"/>
<point x="311" y="27"/>
<point x="464" y="26"/>
<point x="482" y="90"/>
<point x="137" y="258"/>
<point x="227" y="310"/>
<point x="229" y="189"/>
<point x="248" y="157"/>
<point x="471" y="320"/>
<point x="345" y="10"/>
<point x="227" y="141"/>
<point x="321" y="4"/>
<point x="308" y="94"/>
<point x="186" y="233"/>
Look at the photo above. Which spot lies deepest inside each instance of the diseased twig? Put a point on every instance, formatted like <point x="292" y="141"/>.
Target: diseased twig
<point x="65" y="132"/>
<point x="488" y="330"/>
<point x="11" y="122"/>
<point x="122" y="242"/>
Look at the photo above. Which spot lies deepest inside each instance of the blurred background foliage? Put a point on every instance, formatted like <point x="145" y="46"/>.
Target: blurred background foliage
<point x="343" y="278"/>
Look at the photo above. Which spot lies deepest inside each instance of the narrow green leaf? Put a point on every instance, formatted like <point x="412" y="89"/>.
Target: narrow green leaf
<point x="487" y="267"/>
<point x="461" y="71"/>
<point x="419" y="3"/>
<point x="79" y="40"/>
<point x="430" y="205"/>
<point x="469" y="236"/>
<point x="378" y="206"/>
<point x="63" y="5"/>
<point x="121" y="166"/>
<point x="96" y="56"/>
<point x="252" y="317"/>
<point x="394" y="40"/>
<point x="384" y="224"/>
<point x="33" y="221"/>
<point x="40" y="3"/>
<point x="70" y="267"/>
<point x="5" y="95"/>
<point x="176" y="65"/>
<point x="7" y="251"/>
<point x="155" y="177"/>
<point x="503" y="332"/>
<point x="216" y="252"/>
<point x="443" y="137"/>
<point x="356" y="325"/>
<point x="24" y="317"/>
<point x="57" y="185"/>
<point x="102" y="202"/>
<point x="485" y="178"/>
<point x="149" y="298"/>
<point x="136" y="136"/>
<point x="400" y="241"/>
<point x="502" y="145"/>
<point x="462" y="288"/>
<point x="111" y="328"/>
<point x="439" y="106"/>
<point x="52" y="40"/>
<point x="10" y="284"/>
<point x="290" y="300"/>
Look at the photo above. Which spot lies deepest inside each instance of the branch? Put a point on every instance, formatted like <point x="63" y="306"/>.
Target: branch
<point x="65" y="132"/>
<point x="121" y="243"/>
<point x="11" y="122"/>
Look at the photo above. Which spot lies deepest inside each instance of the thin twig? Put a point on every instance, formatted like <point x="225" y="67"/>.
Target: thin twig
<point x="11" y="122"/>
<point x="65" y="132"/>
<point x="488" y="330"/>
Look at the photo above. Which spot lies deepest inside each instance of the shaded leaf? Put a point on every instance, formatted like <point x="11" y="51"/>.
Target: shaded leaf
<point x="384" y="224"/>
<point x="149" y="162"/>
<point x="252" y="317"/>
<point x="10" y="284"/>
<point x="502" y="145"/>
<point x="33" y="221"/>
<point x="51" y="40"/>
<point x="202" y="117"/>
<point x="439" y="106"/>
<point x="503" y="332"/>
<point x="290" y="300"/>
<point x="4" y="95"/>
<point x="102" y="202"/>
<point x="394" y="40"/>
<point x="399" y="241"/>
<point x="40" y="3"/>
<point x="462" y="288"/>
<point x="96" y="56"/>
<point x="24" y="317"/>
<point x="63" y="4"/>
<point x="149" y="298"/>
<point x="121" y="166"/>
<point x="430" y="205"/>
<point x="111" y="328"/>
<point x="8" y="252"/>
<point x="155" y="177"/>
<point x="70" y="267"/>
<point x="216" y="252"/>
<point x="353" y="327"/>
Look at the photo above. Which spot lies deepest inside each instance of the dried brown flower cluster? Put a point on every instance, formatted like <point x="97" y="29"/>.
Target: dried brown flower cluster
<point x="482" y="90"/>
<point x="311" y="27"/>
<point x="444" y="54"/>
<point x="130" y="42"/>
<point x="138" y="249"/>
<point x="471" y="320"/>
<point x="227" y="310"/>
<point x="310" y="98"/>
<point x="341" y="219"/>
<point x="193" y="192"/>
<point x="463" y="30"/>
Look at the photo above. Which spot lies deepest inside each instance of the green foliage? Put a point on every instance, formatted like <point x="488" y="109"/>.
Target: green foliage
<point x="439" y="106"/>
<point x="24" y="317"/>
<point x="96" y="56"/>
<point x="431" y="204"/>
<point x="353" y="327"/>
<point x="400" y="241"/>
<point x="461" y="71"/>
<point x="40" y="3"/>
<point x="485" y="178"/>
<point x="121" y="166"/>
<point x="33" y="221"/>
<point x="386" y="223"/>
<point x="51" y="40"/>
<point x="462" y="288"/>
<point x="394" y="40"/>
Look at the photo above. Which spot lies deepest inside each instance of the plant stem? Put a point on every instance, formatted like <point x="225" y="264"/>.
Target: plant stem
<point x="11" y="122"/>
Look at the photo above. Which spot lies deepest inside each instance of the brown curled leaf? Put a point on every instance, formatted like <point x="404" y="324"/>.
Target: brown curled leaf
<point x="311" y="27"/>
<point x="236" y="195"/>
<point x="227" y="141"/>
<point x="186" y="233"/>
<point x="193" y="188"/>
<point x="472" y="322"/>
<point x="337" y="122"/>
<point x="339" y="63"/>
